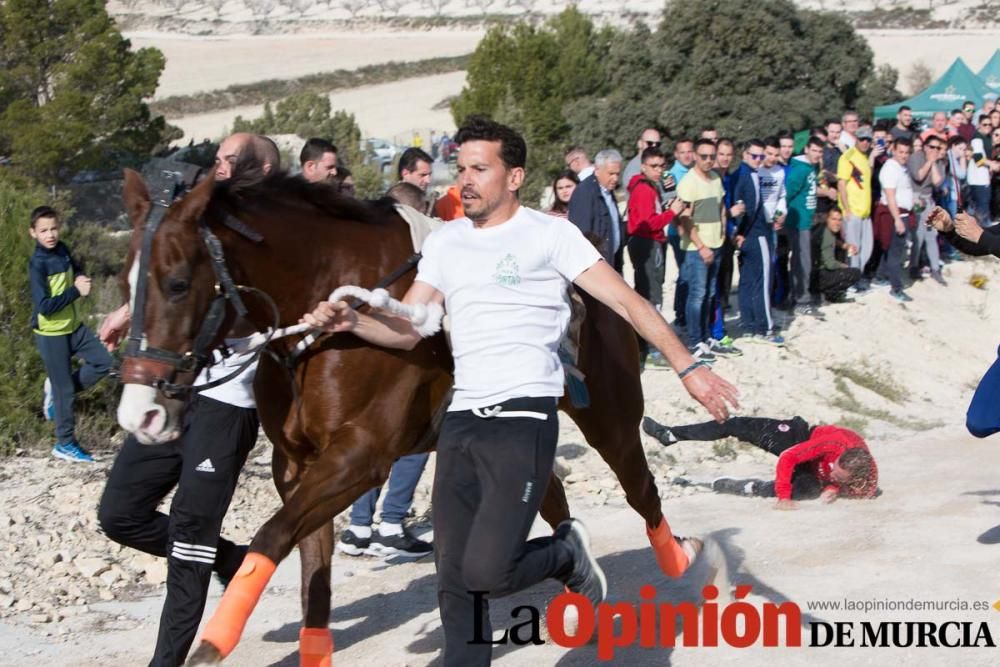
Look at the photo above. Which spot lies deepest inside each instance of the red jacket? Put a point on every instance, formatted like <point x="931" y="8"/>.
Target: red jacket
<point x="645" y="215"/>
<point x="821" y="451"/>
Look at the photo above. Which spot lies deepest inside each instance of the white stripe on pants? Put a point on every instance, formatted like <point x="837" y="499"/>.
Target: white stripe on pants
<point x="765" y="253"/>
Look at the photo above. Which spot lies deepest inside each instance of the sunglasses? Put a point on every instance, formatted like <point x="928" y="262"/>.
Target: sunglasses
<point x="653" y="144"/>
<point x="756" y="156"/>
<point x="706" y="156"/>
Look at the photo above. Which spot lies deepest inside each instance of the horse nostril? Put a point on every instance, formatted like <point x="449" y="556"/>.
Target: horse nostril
<point x="148" y="419"/>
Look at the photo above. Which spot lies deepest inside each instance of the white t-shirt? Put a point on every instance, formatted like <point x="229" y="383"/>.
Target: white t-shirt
<point x="505" y="293"/>
<point x="976" y="175"/>
<point x="239" y="390"/>
<point x="772" y="190"/>
<point x="895" y="176"/>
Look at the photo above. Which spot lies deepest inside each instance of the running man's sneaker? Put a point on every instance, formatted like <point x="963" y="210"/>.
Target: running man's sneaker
<point x="403" y="544"/>
<point x="658" y="431"/>
<point x="721" y="349"/>
<point x="351" y="545"/>
<point x="587" y="577"/>
<point x="701" y="352"/>
<point x="48" y="402"/>
<point x="736" y="487"/>
<point x="901" y="296"/>
<point x="72" y="451"/>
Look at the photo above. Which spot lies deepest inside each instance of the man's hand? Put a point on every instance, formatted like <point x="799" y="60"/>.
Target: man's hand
<point x="940" y="220"/>
<point x="967" y="227"/>
<point x="712" y="392"/>
<point x="82" y="284"/>
<point x="900" y="227"/>
<point x="739" y="209"/>
<point x="706" y="254"/>
<point x="677" y="206"/>
<point x="785" y="504"/>
<point x="852" y="249"/>
<point x="828" y="496"/>
<point x="334" y="317"/>
<point x="739" y="241"/>
<point x="114" y="327"/>
<point x="779" y="222"/>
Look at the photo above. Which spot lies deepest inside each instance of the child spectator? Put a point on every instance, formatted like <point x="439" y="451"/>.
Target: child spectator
<point x="57" y="283"/>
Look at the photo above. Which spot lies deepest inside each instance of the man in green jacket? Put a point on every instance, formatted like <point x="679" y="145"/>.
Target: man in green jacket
<point x="800" y="193"/>
<point x="835" y="276"/>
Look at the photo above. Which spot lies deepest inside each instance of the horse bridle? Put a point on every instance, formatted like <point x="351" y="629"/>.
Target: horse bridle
<point x="158" y="368"/>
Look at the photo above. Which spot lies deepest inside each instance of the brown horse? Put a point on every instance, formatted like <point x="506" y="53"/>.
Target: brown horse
<point x="345" y="411"/>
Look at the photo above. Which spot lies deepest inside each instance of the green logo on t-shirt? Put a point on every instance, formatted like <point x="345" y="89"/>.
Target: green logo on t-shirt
<point x="507" y="272"/>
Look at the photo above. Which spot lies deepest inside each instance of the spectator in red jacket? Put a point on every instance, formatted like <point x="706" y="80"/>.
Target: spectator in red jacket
<point x="821" y="461"/>
<point x="647" y="242"/>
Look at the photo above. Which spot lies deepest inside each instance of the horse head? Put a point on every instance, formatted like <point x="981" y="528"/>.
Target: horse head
<point x="172" y="287"/>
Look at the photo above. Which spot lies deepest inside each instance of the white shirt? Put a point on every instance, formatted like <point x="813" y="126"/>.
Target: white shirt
<point x="896" y="177"/>
<point x="585" y="172"/>
<point x="238" y="391"/>
<point x="772" y="190"/>
<point x="505" y="292"/>
<point x="976" y="175"/>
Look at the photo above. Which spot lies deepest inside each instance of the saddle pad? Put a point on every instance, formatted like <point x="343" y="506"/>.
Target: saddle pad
<point x="421" y="225"/>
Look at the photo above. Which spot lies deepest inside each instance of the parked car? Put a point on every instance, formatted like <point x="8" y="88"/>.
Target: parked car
<point x="382" y="151"/>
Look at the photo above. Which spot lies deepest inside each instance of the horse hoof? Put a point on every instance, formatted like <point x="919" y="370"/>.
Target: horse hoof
<point x="206" y="654"/>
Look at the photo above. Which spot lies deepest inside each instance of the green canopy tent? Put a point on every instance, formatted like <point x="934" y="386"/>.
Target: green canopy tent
<point x="990" y="73"/>
<point x="955" y="86"/>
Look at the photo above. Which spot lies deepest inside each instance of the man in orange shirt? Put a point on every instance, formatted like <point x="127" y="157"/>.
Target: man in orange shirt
<point x="813" y="461"/>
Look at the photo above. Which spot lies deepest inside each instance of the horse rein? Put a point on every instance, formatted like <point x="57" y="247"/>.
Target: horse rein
<point x="157" y="368"/>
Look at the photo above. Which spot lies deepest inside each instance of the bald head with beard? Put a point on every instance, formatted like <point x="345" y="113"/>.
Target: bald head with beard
<point x="246" y="157"/>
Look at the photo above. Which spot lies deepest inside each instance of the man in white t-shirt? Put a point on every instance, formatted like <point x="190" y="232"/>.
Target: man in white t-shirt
<point x="502" y="275"/>
<point x="897" y="198"/>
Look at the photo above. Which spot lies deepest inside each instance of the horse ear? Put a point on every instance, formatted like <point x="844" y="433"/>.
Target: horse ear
<point x="195" y="202"/>
<point x="136" y="198"/>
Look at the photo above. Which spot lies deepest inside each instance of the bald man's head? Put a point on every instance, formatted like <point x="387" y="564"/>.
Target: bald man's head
<point x="251" y="157"/>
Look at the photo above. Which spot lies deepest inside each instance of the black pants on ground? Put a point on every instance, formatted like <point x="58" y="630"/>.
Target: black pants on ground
<point x="781" y="287"/>
<point x="204" y="464"/>
<point x="492" y="470"/>
<point x="772" y="435"/>
<point x="725" y="278"/>
<point x="832" y="283"/>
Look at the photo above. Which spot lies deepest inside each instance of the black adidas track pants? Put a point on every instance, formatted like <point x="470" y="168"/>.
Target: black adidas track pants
<point x="204" y="464"/>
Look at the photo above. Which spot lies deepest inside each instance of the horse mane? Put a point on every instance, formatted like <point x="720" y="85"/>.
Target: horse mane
<point x="280" y="187"/>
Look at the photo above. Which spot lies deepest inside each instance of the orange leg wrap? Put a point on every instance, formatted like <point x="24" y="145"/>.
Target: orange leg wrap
<point x="315" y="647"/>
<point x="669" y="555"/>
<point x="224" y="629"/>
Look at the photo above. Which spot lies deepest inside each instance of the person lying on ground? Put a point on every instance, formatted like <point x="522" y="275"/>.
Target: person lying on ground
<point x="813" y="461"/>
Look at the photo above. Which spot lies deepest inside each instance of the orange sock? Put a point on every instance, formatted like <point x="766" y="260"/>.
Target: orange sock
<point x="669" y="554"/>
<point x="315" y="647"/>
<point x="224" y="629"/>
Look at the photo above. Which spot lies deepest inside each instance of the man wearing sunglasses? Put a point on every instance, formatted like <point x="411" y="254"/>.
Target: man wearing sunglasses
<point x="650" y="138"/>
<point x="926" y="172"/>
<point x="753" y="239"/>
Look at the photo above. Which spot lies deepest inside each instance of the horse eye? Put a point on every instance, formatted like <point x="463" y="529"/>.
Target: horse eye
<point x="176" y="286"/>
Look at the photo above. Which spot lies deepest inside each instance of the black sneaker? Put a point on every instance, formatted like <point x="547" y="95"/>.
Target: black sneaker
<point x="228" y="570"/>
<point x="403" y="544"/>
<point x="351" y="545"/>
<point x="587" y="577"/>
<point x="658" y="431"/>
<point x="810" y="310"/>
<point x="736" y="487"/>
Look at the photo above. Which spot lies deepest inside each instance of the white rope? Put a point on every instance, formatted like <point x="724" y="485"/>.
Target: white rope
<point x="426" y="319"/>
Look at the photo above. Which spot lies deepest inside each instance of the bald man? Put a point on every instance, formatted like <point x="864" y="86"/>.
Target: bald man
<point x="204" y="463"/>
<point x="250" y="156"/>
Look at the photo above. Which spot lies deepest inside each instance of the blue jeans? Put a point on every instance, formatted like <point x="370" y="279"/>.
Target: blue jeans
<point x="979" y="204"/>
<point x="57" y="355"/>
<point x="402" y="481"/>
<point x="699" y="276"/>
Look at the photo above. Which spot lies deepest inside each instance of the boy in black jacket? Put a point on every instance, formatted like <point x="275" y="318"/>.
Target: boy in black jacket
<point x="57" y="283"/>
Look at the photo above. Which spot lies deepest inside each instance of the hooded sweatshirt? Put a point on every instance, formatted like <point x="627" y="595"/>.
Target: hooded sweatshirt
<point x="646" y="217"/>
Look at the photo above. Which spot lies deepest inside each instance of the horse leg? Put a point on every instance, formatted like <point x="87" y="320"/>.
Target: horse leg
<point x="555" y="507"/>
<point x="315" y="640"/>
<point x="327" y="487"/>
<point x="616" y="439"/>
